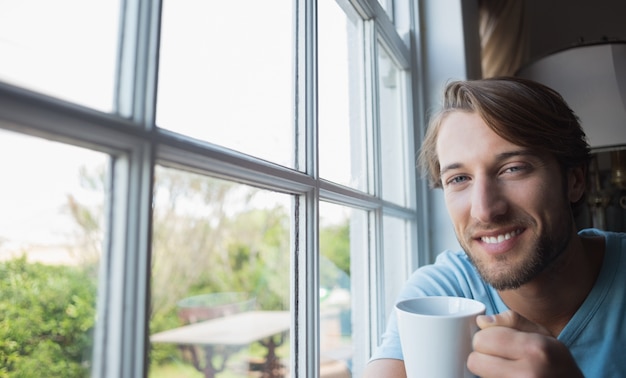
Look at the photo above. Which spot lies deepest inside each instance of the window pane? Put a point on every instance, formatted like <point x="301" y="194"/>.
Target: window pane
<point x="341" y="128"/>
<point x="51" y="234"/>
<point x="341" y="229"/>
<point x="226" y="74"/>
<point x="395" y="258"/>
<point x="64" y="48"/>
<point x="393" y="136"/>
<point x="220" y="277"/>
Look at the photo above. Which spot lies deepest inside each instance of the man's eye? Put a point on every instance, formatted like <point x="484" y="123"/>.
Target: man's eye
<point x="515" y="168"/>
<point x="456" y="180"/>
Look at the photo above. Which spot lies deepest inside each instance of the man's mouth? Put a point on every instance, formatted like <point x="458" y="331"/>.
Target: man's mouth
<point x="500" y="238"/>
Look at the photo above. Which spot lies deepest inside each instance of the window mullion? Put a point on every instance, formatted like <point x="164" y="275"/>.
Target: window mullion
<point x="305" y="297"/>
<point x="376" y="271"/>
<point x="127" y="302"/>
<point x="137" y="61"/>
<point x="124" y="304"/>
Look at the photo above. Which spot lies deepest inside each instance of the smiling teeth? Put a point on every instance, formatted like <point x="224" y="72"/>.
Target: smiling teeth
<point x="499" y="238"/>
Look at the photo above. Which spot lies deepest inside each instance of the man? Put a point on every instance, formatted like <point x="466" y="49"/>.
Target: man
<point x="511" y="159"/>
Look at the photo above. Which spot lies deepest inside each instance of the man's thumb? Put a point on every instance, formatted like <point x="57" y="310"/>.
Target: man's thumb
<point x="510" y="319"/>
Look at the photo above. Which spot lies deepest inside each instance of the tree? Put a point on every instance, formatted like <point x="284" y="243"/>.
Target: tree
<point x="209" y="238"/>
<point x="335" y="247"/>
<point x="47" y="314"/>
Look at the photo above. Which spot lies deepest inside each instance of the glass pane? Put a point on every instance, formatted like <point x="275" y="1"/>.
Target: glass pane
<point x="63" y="48"/>
<point x="51" y="236"/>
<point x="220" y="278"/>
<point x="395" y="258"/>
<point x="341" y="228"/>
<point x="392" y="131"/>
<point x="226" y="75"/>
<point x="341" y="128"/>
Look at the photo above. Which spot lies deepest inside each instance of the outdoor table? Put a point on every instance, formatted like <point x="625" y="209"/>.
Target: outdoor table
<point x="232" y="331"/>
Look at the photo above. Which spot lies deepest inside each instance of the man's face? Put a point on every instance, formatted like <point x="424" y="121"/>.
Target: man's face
<point x="509" y="206"/>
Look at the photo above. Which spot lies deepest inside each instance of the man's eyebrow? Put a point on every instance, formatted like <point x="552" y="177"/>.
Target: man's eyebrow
<point x="449" y="167"/>
<point x="498" y="157"/>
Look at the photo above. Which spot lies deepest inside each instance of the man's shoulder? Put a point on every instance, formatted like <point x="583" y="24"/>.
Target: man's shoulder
<point x="452" y="274"/>
<point x="450" y="269"/>
<point x="615" y="241"/>
<point x="453" y="258"/>
<point x="590" y="232"/>
<point x="449" y="261"/>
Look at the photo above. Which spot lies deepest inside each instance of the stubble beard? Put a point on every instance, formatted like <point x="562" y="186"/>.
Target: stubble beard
<point x="540" y="253"/>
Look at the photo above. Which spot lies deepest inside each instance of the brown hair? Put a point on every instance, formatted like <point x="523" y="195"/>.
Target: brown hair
<point x="521" y="111"/>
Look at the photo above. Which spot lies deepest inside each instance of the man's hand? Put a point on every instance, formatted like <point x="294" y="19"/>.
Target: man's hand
<point x="508" y="345"/>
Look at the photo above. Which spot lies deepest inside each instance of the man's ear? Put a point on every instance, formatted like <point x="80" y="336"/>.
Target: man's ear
<point x="576" y="182"/>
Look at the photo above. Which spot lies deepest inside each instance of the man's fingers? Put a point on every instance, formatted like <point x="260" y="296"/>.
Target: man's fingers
<point x="510" y="319"/>
<point x="503" y="342"/>
<point x="479" y="363"/>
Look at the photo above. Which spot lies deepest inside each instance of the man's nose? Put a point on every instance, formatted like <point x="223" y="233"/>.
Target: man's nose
<point x="488" y="201"/>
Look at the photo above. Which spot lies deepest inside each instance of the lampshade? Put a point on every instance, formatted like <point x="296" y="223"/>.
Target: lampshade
<point x="592" y="80"/>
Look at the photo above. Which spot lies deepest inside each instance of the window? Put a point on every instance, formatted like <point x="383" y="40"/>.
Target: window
<point x="50" y="254"/>
<point x="342" y="234"/>
<point x="65" y="48"/>
<point x="341" y="125"/>
<point x="200" y="70"/>
<point x="204" y="187"/>
<point x="219" y="249"/>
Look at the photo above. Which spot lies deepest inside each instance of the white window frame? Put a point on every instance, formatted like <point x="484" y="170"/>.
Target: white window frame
<point x="136" y="145"/>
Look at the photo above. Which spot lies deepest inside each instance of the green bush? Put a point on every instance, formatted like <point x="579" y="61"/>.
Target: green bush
<point x="47" y="315"/>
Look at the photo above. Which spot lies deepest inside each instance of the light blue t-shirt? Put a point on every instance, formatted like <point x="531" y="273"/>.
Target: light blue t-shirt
<point x="596" y="334"/>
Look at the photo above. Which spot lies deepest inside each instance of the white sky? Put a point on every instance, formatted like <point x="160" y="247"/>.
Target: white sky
<point x="35" y="187"/>
<point x="64" y="48"/>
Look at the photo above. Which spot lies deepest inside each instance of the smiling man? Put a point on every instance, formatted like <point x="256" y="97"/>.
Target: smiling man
<point x="511" y="159"/>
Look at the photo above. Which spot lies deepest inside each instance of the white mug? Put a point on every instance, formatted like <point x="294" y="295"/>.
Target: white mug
<point x="436" y="335"/>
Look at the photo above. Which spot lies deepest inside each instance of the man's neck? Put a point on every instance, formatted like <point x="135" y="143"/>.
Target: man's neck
<point x="553" y="297"/>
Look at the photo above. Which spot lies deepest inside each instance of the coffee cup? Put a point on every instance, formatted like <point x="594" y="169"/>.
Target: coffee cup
<point x="436" y="335"/>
